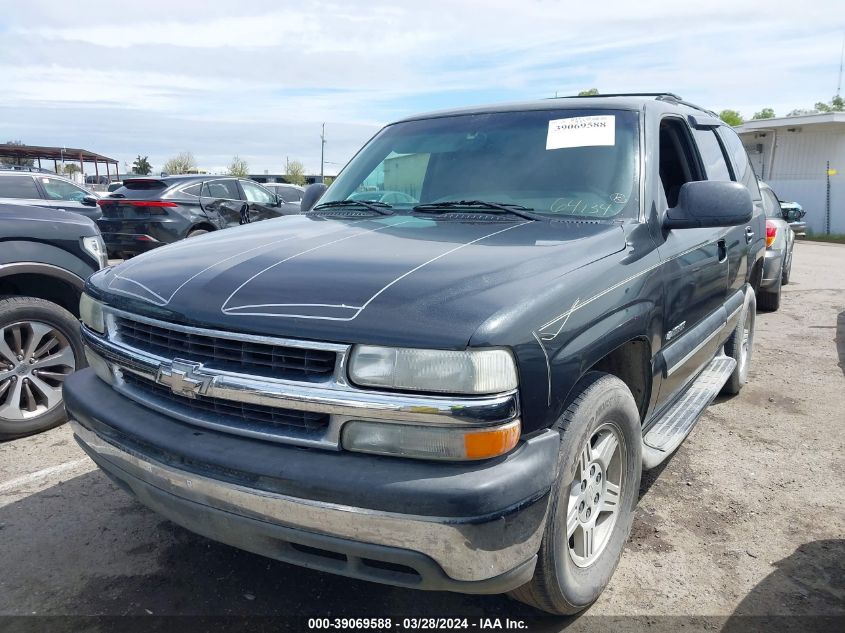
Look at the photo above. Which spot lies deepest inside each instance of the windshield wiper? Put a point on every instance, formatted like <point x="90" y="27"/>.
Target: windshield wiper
<point x="378" y="207"/>
<point x="477" y="206"/>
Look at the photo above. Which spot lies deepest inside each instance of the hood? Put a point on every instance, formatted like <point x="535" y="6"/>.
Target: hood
<point x="400" y="280"/>
<point x="25" y="220"/>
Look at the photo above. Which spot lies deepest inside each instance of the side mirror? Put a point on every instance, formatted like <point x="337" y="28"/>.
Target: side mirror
<point x="311" y="196"/>
<point x="710" y="203"/>
<point x="89" y="201"/>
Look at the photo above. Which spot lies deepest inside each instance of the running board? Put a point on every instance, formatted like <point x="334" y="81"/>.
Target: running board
<point x="672" y="428"/>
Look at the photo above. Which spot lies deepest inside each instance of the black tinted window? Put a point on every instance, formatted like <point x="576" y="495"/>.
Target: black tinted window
<point x="742" y="166"/>
<point x="712" y="155"/>
<point x="771" y="205"/>
<point x="193" y="190"/>
<point x="288" y="194"/>
<point x="18" y="187"/>
<point x="227" y="189"/>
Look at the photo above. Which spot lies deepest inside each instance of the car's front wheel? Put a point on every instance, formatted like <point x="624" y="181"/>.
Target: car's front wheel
<point x="592" y="508"/>
<point x="40" y="345"/>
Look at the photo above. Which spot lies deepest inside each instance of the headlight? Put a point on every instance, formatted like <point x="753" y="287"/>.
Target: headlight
<point x="95" y="247"/>
<point x="430" y="442"/>
<point x="91" y="313"/>
<point x="469" y="371"/>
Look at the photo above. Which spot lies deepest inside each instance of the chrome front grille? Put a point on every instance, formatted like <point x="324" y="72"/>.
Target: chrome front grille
<point x="244" y="416"/>
<point x="242" y="383"/>
<point x="228" y="354"/>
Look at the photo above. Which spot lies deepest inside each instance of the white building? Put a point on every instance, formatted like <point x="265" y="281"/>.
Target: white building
<point x="792" y="154"/>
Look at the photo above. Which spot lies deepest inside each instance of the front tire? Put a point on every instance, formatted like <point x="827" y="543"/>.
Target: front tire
<point x="592" y="508"/>
<point x="40" y="345"/>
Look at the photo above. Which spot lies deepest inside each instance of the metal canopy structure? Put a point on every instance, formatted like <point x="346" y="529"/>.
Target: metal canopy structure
<point x="57" y="154"/>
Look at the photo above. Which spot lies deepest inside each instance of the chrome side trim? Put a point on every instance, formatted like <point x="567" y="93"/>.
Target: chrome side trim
<point x="466" y="548"/>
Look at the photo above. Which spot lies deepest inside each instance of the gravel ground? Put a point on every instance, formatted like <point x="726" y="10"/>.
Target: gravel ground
<point x="745" y="519"/>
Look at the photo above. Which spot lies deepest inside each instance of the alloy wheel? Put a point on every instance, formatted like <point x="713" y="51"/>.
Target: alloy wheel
<point x="35" y="358"/>
<point x="594" y="495"/>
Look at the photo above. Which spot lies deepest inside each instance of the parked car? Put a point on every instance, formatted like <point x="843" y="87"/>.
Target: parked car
<point x="114" y="186"/>
<point x="47" y="190"/>
<point x="290" y="196"/>
<point x="45" y="256"/>
<point x="794" y="214"/>
<point x="454" y="394"/>
<point x="780" y="240"/>
<point x="148" y="212"/>
<point x="387" y="197"/>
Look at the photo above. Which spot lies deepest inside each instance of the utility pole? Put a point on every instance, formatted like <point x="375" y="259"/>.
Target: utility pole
<point x="841" y="57"/>
<point x="322" y="152"/>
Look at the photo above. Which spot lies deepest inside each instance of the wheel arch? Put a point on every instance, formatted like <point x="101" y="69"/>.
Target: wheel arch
<point x="204" y="225"/>
<point x="43" y="281"/>
<point x="621" y="344"/>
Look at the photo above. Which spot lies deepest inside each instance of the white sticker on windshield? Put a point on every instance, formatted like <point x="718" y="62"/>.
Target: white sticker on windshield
<point x="582" y="131"/>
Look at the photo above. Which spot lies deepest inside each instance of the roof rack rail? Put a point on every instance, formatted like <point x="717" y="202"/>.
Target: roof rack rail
<point x="664" y="95"/>
<point x="659" y="96"/>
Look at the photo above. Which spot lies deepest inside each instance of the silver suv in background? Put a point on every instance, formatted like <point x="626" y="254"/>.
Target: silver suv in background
<point x="40" y="189"/>
<point x="780" y="238"/>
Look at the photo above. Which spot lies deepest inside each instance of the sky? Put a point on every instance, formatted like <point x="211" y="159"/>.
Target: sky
<point x="258" y="78"/>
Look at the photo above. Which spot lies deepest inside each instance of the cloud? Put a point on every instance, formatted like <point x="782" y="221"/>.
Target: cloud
<point x="214" y="79"/>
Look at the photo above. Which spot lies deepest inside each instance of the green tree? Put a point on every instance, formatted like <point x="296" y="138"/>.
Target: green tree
<point x="731" y="117"/>
<point x="295" y="172"/>
<point x="765" y="113"/>
<point x="142" y="166"/>
<point x="238" y="167"/>
<point x="13" y="160"/>
<point x="837" y="104"/>
<point x="591" y="92"/>
<point x="182" y="163"/>
<point x="70" y="169"/>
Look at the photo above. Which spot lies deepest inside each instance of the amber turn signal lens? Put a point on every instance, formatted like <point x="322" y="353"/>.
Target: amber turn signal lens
<point x="484" y="444"/>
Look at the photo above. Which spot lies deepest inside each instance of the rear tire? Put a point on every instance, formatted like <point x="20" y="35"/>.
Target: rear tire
<point x="41" y="330"/>
<point x="769" y="300"/>
<point x="196" y="233"/>
<point x="740" y="345"/>
<point x="572" y="567"/>
<point x="787" y="271"/>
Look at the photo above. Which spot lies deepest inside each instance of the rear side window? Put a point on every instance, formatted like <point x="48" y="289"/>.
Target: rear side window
<point x="712" y="155"/>
<point x="289" y="194"/>
<point x="193" y="190"/>
<point x="771" y="205"/>
<point x="18" y="187"/>
<point x="225" y="189"/>
<point x="739" y="157"/>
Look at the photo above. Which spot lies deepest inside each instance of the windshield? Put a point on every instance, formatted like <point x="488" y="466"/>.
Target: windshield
<point x="581" y="163"/>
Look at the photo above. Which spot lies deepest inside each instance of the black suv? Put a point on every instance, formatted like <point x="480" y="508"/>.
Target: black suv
<point x="45" y="256"/>
<point x="458" y="391"/>
<point x="148" y="212"/>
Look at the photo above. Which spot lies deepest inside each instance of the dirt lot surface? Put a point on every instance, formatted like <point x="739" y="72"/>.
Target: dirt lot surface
<point x="746" y="518"/>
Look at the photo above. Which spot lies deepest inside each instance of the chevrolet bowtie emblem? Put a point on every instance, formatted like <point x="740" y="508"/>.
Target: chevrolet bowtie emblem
<point x="184" y="378"/>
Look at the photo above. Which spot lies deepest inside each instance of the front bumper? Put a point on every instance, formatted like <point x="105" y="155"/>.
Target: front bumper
<point x="467" y="527"/>
<point x="772" y="267"/>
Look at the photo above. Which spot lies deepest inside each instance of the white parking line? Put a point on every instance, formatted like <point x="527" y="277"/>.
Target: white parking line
<point x="46" y="475"/>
